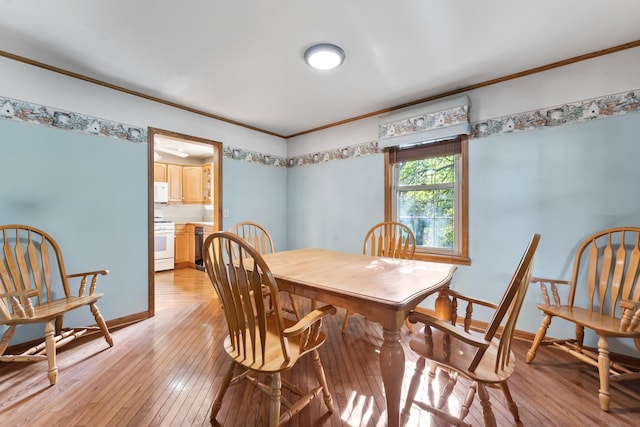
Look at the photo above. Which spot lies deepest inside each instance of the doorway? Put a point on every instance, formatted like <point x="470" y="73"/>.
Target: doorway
<point x="170" y="151"/>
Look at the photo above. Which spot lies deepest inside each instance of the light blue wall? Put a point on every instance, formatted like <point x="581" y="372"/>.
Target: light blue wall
<point x="564" y="183"/>
<point x="90" y="194"/>
<point x="332" y="205"/>
<point x="256" y="192"/>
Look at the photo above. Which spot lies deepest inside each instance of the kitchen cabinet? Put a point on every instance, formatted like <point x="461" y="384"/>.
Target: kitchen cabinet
<point x="189" y="184"/>
<point x="185" y="245"/>
<point x="192" y="184"/>
<point x="208" y="230"/>
<point x="174" y="177"/>
<point x="160" y="172"/>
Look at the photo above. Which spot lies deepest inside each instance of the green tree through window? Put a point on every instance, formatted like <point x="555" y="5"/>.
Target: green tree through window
<point x="426" y="200"/>
<point x="427" y="192"/>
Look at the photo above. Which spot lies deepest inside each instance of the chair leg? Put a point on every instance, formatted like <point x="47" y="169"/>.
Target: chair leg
<point x="542" y="331"/>
<point x="322" y="379"/>
<point x="468" y="401"/>
<point x="50" y="348"/>
<point x="102" y="324"/>
<point x="487" y="412"/>
<point x="4" y="343"/>
<point x="413" y="389"/>
<point x="294" y="307"/>
<point x="409" y="325"/>
<point x="346" y="321"/>
<point x="452" y="380"/>
<point x="217" y="403"/>
<point x="513" y="408"/>
<point x="274" y="405"/>
<point x="579" y="336"/>
<point x="58" y="325"/>
<point x="604" y="366"/>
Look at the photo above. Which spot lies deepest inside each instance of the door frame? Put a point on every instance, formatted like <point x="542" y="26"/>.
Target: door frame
<point x="216" y="197"/>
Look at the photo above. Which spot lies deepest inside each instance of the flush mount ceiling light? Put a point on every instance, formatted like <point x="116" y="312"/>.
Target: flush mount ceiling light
<point x="324" y="56"/>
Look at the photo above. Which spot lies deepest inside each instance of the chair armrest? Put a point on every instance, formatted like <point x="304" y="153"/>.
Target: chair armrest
<point x="630" y="305"/>
<point x="630" y="316"/>
<point x="20" y="302"/>
<point x="448" y="328"/>
<point x="308" y="320"/>
<point x="83" y="282"/>
<point x="553" y="284"/>
<point x="457" y="295"/>
<point x="543" y="280"/>
<point x="88" y="273"/>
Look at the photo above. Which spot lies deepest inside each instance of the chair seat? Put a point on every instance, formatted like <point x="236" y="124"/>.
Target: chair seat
<point x="461" y="356"/>
<point x="601" y="323"/>
<point x="275" y="361"/>
<point x="52" y="309"/>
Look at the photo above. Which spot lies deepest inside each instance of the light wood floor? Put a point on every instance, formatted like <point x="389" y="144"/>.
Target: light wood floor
<point x="164" y="371"/>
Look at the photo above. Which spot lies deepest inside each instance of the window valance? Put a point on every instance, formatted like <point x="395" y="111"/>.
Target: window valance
<point x="425" y="122"/>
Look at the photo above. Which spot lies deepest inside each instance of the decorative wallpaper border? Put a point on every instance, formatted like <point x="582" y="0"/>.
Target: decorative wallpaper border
<point x="254" y="157"/>
<point x="590" y="109"/>
<point x="334" y="154"/>
<point x="580" y="111"/>
<point x="436" y="120"/>
<point x="23" y="111"/>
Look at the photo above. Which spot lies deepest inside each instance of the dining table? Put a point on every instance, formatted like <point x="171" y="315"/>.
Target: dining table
<point x="384" y="290"/>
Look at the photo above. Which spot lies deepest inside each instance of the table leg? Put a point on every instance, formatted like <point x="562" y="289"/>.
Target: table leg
<point x="392" y="368"/>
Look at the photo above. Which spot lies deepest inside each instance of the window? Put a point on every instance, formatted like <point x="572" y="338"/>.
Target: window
<point x="426" y="189"/>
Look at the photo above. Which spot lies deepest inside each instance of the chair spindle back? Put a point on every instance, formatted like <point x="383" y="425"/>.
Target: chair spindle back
<point x="509" y="308"/>
<point x="238" y="273"/>
<point x="29" y="259"/>
<point x="390" y="239"/>
<point x="612" y="257"/>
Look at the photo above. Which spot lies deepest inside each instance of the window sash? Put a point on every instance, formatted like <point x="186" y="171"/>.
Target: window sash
<point x="451" y="146"/>
<point x="455" y="186"/>
<point x="418" y="152"/>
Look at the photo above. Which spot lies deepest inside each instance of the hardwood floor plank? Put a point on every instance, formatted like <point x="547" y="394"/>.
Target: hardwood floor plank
<point x="165" y="371"/>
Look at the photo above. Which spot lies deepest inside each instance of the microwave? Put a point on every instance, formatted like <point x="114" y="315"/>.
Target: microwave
<point x="160" y="192"/>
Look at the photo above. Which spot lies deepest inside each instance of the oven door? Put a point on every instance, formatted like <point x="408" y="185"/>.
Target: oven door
<point x="163" y="243"/>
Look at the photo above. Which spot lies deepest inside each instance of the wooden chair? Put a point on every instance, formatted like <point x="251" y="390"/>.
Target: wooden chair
<point x="34" y="288"/>
<point x="387" y="239"/>
<point x="259" y="238"/>
<point x="484" y="359"/>
<point x="604" y="296"/>
<point x="261" y="340"/>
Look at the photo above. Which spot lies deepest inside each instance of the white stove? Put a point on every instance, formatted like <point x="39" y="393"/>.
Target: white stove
<point x="164" y="233"/>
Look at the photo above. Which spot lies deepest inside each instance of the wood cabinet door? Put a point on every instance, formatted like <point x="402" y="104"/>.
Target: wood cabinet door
<point x="174" y="176"/>
<point x="181" y="245"/>
<point x="160" y="172"/>
<point x="191" y="244"/>
<point x="192" y="184"/>
<point x="185" y="247"/>
<point x="208" y="230"/>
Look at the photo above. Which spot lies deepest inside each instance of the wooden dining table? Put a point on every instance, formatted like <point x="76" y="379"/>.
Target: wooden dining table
<point x="384" y="290"/>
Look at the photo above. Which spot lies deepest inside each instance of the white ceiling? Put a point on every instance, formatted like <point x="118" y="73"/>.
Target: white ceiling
<point x="176" y="147"/>
<point x="242" y="60"/>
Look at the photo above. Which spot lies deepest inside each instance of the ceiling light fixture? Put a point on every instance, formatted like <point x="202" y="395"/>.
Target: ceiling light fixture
<point x="324" y="56"/>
